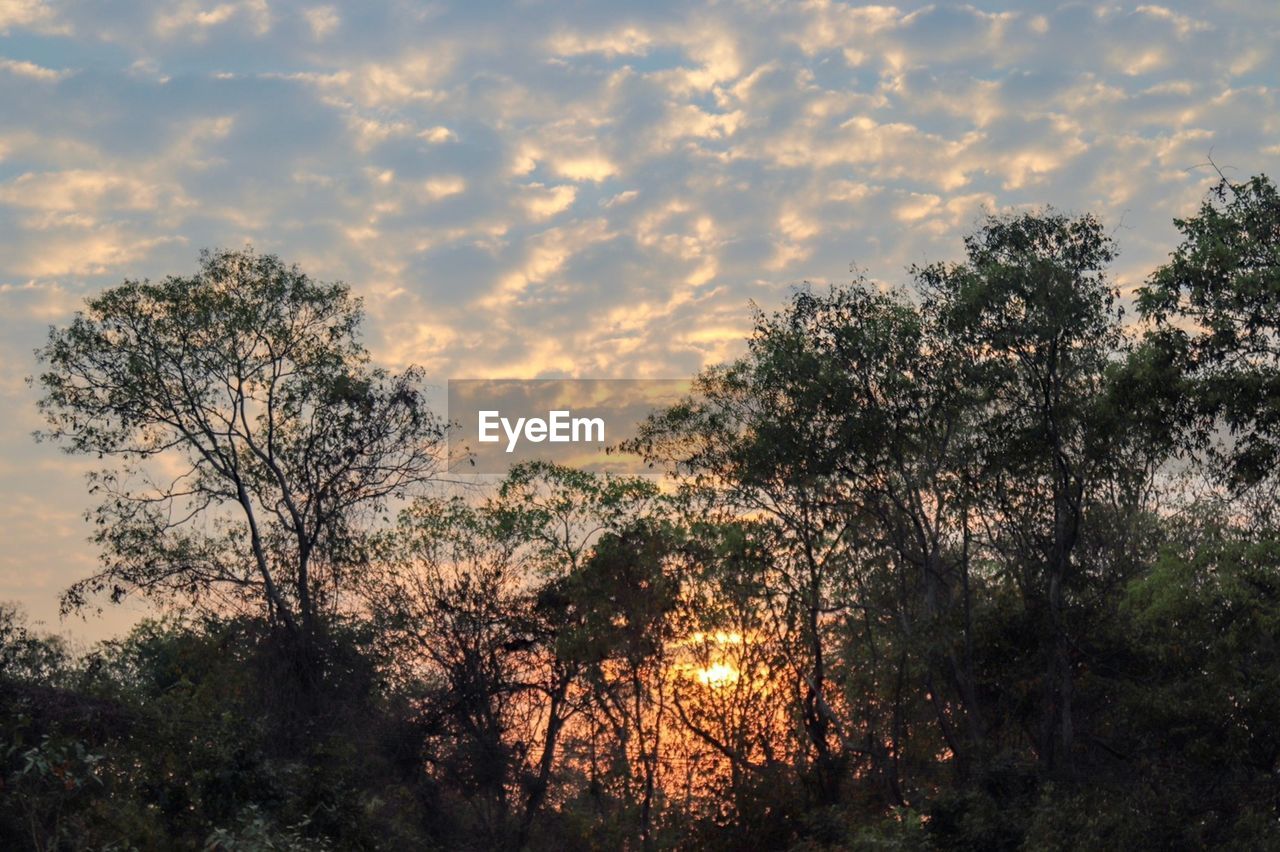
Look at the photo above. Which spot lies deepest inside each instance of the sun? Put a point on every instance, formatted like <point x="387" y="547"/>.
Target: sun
<point x="717" y="675"/>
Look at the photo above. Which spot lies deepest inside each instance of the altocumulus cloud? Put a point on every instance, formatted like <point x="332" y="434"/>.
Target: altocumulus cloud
<point x="539" y="190"/>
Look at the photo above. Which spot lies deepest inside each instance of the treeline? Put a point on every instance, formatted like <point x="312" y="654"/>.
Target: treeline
<point x="981" y="563"/>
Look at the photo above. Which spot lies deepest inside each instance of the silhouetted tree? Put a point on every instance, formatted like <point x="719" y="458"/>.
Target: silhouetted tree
<point x="250" y="439"/>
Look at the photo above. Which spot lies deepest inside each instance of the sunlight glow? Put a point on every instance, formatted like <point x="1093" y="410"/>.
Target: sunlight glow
<point x="718" y="675"/>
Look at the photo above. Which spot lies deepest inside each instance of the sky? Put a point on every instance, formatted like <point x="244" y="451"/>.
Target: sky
<point x="590" y="190"/>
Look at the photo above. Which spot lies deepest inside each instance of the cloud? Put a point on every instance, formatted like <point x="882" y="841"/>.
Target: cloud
<point x="521" y="190"/>
<point x="194" y="19"/>
<point x="31" y="70"/>
<point x="323" y="21"/>
<point x="28" y="14"/>
<point x="442" y="187"/>
<point x="628" y="41"/>
<point x="543" y="202"/>
<point x="78" y="190"/>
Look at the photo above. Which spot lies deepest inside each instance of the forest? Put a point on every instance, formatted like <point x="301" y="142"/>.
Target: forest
<point x="987" y="560"/>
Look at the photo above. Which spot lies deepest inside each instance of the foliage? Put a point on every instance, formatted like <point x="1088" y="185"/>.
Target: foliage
<point x="965" y="565"/>
<point x="249" y="381"/>
<point x="1216" y="306"/>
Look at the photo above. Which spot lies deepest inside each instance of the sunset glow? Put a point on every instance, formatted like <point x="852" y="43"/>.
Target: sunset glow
<point x="718" y="675"/>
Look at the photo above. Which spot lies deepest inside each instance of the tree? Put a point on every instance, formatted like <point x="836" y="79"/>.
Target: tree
<point x="1033" y="315"/>
<point x="447" y="595"/>
<point x="252" y="442"/>
<point x="1215" y="307"/>
<point x="523" y="608"/>
<point x="839" y="438"/>
<point x="926" y="576"/>
<point x="560" y="514"/>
